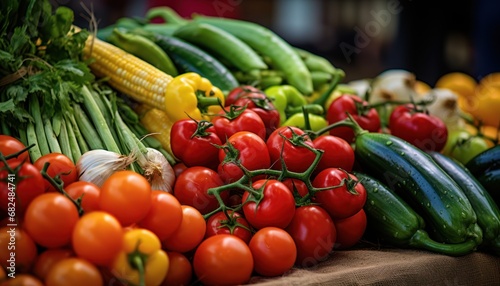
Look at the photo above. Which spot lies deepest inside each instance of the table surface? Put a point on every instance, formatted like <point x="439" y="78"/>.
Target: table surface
<point x="389" y="266"/>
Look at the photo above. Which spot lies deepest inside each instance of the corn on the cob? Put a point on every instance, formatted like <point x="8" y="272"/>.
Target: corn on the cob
<point x="127" y="73"/>
<point x="157" y="122"/>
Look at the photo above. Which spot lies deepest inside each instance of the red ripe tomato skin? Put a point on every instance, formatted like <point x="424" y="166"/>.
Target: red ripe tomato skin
<point x="296" y="158"/>
<point x="339" y="202"/>
<point x="192" y="185"/>
<point x="296" y="186"/>
<point x="350" y="230"/>
<point x="427" y="132"/>
<point x="253" y="155"/>
<point x="247" y="120"/>
<point x="346" y="103"/>
<point x="194" y="149"/>
<point x="28" y="184"/>
<point x="217" y="224"/>
<point x="10" y="145"/>
<point x="241" y="92"/>
<point x="314" y="244"/>
<point x="276" y="209"/>
<point x="60" y="164"/>
<point x="337" y="153"/>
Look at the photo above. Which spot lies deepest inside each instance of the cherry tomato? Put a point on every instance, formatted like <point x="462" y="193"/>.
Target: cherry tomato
<point x="247" y="149"/>
<point x="17" y="191"/>
<point x="367" y="118"/>
<point x="10" y="145"/>
<point x="22" y="280"/>
<point x="273" y="250"/>
<point x="97" y="237"/>
<point x="61" y="165"/>
<point x="350" y="230"/>
<point x="298" y="187"/>
<point x="127" y="196"/>
<point x="232" y="223"/>
<point x="234" y="119"/>
<point x="74" y="271"/>
<point x="192" y="185"/>
<point x="239" y="92"/>
<point x="297" y="158"/>
<point x="463" y="146"/>
<point x="179" y="168"/>
<point x="223" y="259"/>
<point x="425" y="131"/>
<point x="48" y="258"/>
<point x="276" y="206"/>
<point x="50" y="219"/>
<point x="343" y="201"/>
<point x="164" y="216"/>
<point x="14" y="240"/>
<point x="189" y="234"/>
<point x="314" y="243"/>
<point x="337" y="153"/>
<point x="89" y="193"/>
<point x="195" y="143"/>
<point x="180" y="271"/>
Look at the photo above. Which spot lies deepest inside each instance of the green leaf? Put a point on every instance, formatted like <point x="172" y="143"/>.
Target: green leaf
<point x="7" y="106"/>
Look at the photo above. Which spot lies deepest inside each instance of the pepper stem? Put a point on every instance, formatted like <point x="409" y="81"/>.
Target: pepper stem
<point x="205" y="101"/>
<point x="139" y="264"/>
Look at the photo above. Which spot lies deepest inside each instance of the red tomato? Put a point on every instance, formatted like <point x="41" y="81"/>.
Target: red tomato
<point x="367" y="118"/>
<point x="97" y="237"/>
<point x="179" y="168"/>
<point x="74" y="271"/>
<point x="350" y="230"/>
<point x="195" y="143"/>
<point x="61" y="165"/>
<point x="427" y="132"/>
<point x="180" y="270"/>
<point x="89" y="193"/>
<point x="17" y="191"/>
<point x="48" y="258"/>
<point x="273" y="250"/>
<point x="14" y="240"/>
<point x="298" y="187"/>
<point x="257" y="101"/>
<point x="10" y="145"/>
<point x="343" y="201"/>
<point x="234" y="119"/>
<point x="192" y="185"/>
<point x="127" y="196"/>
<point x="164" y="216"/>
<point x="189" y="234"/>
<point x="275" y="208"/>
<point x="337" y="153"/>
<point x="22" y="280"/>
<point x="50" y="219"/>
<point x="223" y="260"/>
<point x="297" y="158"/>
<point x="314" y="234"/>
<point x="247" y="149"/>
<point x="235" y="224"/>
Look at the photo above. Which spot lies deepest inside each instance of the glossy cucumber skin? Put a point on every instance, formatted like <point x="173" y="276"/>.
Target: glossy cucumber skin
<point x="486" y="160"/>
<point x="390" y="218"/>
<point x="490" y="179"/>
<point x="487" y="211"/>
<point x="414" y="176"/>
<point x="189" y="58"/>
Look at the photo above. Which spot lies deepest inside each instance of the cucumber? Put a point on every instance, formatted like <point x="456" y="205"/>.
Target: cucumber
<point x="487" y="211"/>
<point x="490" y="179"/>
<point x="394" y="222"/>
<point x="189" y="58"/>
<point x="488" y="159"/>
<point x="421" y="183"/>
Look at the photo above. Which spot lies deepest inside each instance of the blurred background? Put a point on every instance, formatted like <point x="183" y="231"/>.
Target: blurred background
<point x="362" y="37"/>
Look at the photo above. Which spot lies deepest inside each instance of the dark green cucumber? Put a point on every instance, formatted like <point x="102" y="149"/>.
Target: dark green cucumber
<point x="421" y="183"/>
<point x="393" y="221"/>
<point x="490" y="179"/>
<point x="488" y="159"/>
<point x="189" y="58"/>
<point x="223" y="44"/>
<point x="487" y="211"/>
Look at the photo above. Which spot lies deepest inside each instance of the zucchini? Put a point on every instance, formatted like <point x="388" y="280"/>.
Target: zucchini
<point x="490" y="179"/>
<point x="488" y="159"/>
<point x="421" y="183"/>
<point x="391" y="220"/>
<point x="487" y="211"/>
<point x="189" y="58"/>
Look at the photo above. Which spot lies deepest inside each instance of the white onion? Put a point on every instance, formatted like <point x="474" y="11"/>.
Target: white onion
<point x="96" y="166"/>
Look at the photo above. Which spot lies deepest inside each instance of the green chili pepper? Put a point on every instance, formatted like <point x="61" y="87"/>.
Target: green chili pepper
<point x="316" y="122"/>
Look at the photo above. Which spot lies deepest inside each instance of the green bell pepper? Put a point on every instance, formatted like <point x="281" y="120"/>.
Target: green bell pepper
<point x="316" y="122"/>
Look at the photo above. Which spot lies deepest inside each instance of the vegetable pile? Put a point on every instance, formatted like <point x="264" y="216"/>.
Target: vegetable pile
<point x="193" y="151"/>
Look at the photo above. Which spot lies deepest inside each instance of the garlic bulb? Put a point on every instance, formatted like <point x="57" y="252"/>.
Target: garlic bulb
<point x="445" y="106"/>
<point x="158" y="171"/>
<point x="96" y="166"/>
<point x="393" y="85"/>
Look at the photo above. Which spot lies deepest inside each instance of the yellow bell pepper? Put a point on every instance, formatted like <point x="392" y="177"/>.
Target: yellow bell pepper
<point x="190" y="95"/>
<point x="142" y="261"/>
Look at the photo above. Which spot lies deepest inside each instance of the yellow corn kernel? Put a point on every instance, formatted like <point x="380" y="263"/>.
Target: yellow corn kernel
<point x="127" y="73"/>
<point x="157" y="122"/>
